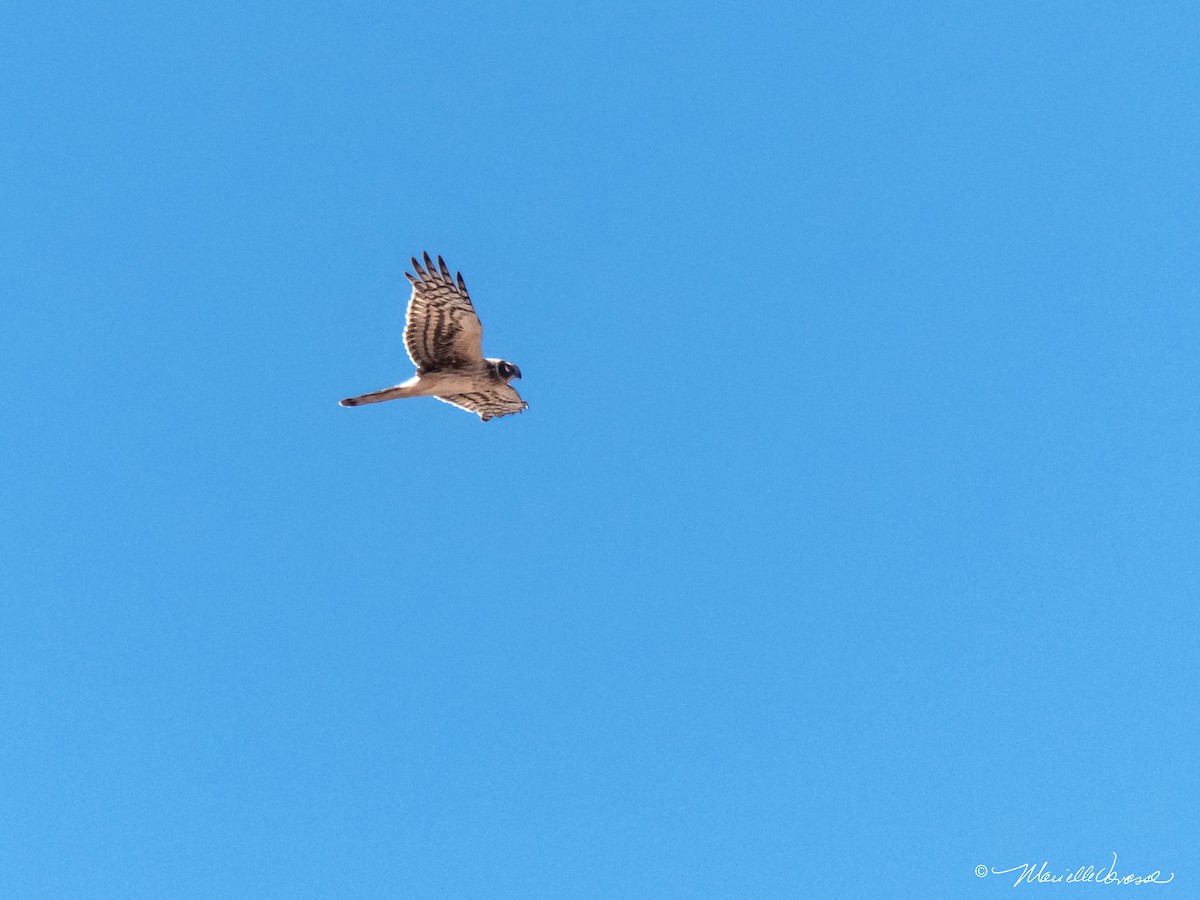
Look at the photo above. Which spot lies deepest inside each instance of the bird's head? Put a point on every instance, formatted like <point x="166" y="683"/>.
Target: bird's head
<point x="507" y="370"/>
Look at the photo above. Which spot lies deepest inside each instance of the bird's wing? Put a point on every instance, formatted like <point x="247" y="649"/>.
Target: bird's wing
<point x="492" y="403"/>
<point x="441" y="329"/>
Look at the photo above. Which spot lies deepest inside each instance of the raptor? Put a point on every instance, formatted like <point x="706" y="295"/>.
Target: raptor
<point x="444" y="338"/>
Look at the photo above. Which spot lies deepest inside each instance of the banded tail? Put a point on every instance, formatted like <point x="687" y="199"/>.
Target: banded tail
<point x="392" y="393"/>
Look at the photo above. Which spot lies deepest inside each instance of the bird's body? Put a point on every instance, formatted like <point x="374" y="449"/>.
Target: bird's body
<point x="443" y="336"/>
<point x="436" y="384"/>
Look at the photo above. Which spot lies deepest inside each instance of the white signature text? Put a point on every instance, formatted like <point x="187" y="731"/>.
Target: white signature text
<point x="1043" y="874"/>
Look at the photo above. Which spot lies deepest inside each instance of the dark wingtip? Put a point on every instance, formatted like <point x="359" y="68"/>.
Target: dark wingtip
<point x="428" y="262"/>
<point x="416" y="266"/>
<point x="349" y="401"/>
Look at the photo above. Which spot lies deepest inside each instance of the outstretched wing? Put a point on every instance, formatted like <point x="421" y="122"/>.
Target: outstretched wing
<point x="441" y="329"/>
<point x="489" y="404"/>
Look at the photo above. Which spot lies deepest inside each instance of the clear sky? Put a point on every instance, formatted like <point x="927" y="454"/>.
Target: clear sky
<point x="850" y="540"/>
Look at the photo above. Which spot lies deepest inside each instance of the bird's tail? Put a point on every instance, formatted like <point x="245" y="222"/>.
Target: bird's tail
<point x="392" y="393"/>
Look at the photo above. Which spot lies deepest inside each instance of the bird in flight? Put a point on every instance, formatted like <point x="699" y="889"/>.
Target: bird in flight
<point x="443" y="336"/>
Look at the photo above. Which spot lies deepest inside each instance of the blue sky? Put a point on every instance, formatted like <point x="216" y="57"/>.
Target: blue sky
<point x="849" y="541"/>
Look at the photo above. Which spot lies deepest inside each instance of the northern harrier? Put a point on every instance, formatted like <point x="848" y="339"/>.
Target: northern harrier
<point x="443" y="337"/>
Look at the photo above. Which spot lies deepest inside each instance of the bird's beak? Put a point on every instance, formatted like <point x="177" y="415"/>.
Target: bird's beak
<point x="518" y="372"/>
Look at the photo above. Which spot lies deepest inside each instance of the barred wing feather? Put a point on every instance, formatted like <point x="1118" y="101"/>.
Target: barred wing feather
<point x="500" y="401"/>
<point x="441" y="328"/>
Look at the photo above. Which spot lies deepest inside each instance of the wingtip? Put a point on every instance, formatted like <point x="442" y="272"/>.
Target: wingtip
<point x="349" y="401"/>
